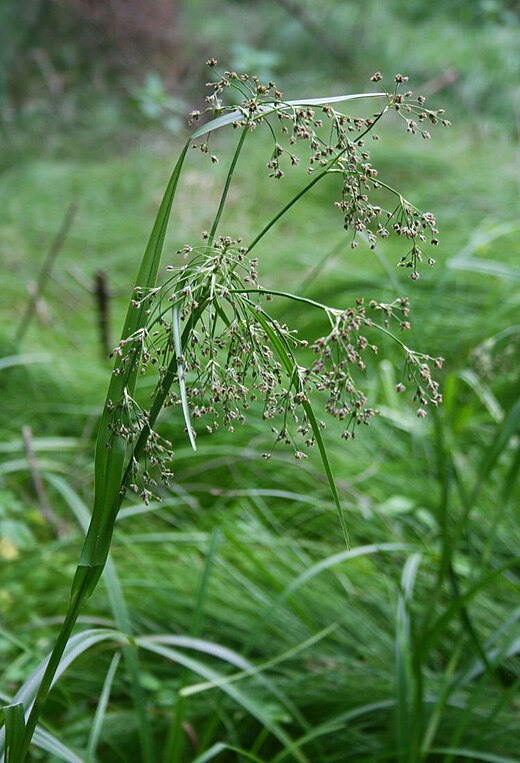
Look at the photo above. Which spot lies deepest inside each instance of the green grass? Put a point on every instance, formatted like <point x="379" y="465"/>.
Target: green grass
<point x="276" y="640"/>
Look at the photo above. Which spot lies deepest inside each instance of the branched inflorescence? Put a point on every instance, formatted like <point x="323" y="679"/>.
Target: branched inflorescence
<point x="233" y="354"/>
<point x="337" y="144"/>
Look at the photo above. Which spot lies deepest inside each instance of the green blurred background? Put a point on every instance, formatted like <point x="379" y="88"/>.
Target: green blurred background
<point x="405" y="652"/>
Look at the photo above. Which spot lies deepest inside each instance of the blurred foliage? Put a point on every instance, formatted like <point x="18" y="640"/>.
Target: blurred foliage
<point x="158" y="106"/>
<point x="465" y="11"/>
<point x="67" y="56"/>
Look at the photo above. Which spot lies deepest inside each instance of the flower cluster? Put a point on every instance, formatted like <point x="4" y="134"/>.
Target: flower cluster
<point x="236" y="355"/>
<point x="336" y="143"/>
<point x="221" y="351"/>
<point x="128" y="421"/>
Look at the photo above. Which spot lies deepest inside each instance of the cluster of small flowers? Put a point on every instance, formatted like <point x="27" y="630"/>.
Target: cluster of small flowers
<point x="360" y="216"/>
<point x="360" y="177"/>
<point x="419" y="367"/>
<point x="325" y="130"/>
<point x="228" y="359"/>
<point x="255" y="98"/>
<point x="406" y="105"/>
<point x="137" y="350"/>
<point x="231" y="353"/>
<point x="128" y="419"/>
<point x="231" y="363"/>
<point x="299" y="123"/>
<point x="414" y="225"/>
<point x="337" y="144"/>
<point x="341" y="354"/>
<point x="419" y="371"/>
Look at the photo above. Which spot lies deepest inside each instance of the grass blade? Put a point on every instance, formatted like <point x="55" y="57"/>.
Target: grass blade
<point x="174" y="747"/>
<point x="404" y="678"/>
<point x="23" y="359"/>
<point x="248" y="704"/>
<point x="99" y="717"/>
<point x="255" y="670"/>
<point x="14" y="731"/>
<point x="219" y="747"/>
<point x="46" y="741"/>
<point x="110" y="451"/>
<point x="247" y="669"/>
<point x="439" y="626"/>
<point x="75" y="647"/>
<point x="176" y="325"/>
<point x="473" y="755"/>
<point x="509" y="427"/>
<point x="335" y="724"/>
<point x="265" y="109"/>
<point x="328" y="470"/>
<point x="119" y="610"/>
<point x="319" y="567"/>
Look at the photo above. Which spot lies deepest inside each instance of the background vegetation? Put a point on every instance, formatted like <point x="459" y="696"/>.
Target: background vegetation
<point x="404" y="648"/>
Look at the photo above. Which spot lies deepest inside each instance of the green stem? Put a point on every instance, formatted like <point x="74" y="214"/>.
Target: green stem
<point x="83" y="583"/>
<point x="286" y="295"/>
<point x="227" y="184"/>
<point x="290" y="204"/>
<point x="310" y="185"/>
<point x="326" y="308"/>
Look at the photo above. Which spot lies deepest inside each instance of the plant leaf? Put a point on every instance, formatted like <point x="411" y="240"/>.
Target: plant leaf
<point x="99" y="717"/>
<point x="271" y="108"/>
<point x="176" y="325"/>
<point x="14" y="731"/>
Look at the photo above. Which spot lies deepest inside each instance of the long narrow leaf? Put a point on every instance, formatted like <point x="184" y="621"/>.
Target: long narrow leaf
<point x="404" y="678"/>
<point x="286" y="357"/>
<point x="14" y="731"/>
<point x="48" y="742"/>
<point x="219" y="747"/>
<point x="249" y="704"/>
<point x="121" y="616"/>
<point x="232" y="658"/>
<point x="255" y="670"/>
<point x="321" y="566"/>
<point x="265" y="109"/>
<point x="176" y="326"/>
<point x="173" y="751"/>
<point x="111" y="451"/>
<point x="328" y="469"/>
<point x="99" y="718"/>
<point x="76" y="646"/>
<point x="473" y="755"/>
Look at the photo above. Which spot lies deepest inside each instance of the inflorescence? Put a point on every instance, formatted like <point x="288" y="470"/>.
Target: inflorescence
<point x="209" y="328"/>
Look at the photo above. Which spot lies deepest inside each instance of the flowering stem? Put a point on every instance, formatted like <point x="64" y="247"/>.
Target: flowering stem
<point x="227" y="184"/>
<point x="310" y="184"/>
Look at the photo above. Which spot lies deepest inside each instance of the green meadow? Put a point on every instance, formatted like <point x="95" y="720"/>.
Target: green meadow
<point x="232" y="621"/>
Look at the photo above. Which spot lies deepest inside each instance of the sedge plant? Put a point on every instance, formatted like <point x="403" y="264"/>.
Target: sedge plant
<point x="207" y="331"/>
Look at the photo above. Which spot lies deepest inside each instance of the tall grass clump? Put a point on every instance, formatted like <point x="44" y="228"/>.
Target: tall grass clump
<point x="207" y="337"/>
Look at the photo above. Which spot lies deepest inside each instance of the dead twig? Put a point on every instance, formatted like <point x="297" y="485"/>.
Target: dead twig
<point x="102" y="295"/>
<point x="46" y="270"/>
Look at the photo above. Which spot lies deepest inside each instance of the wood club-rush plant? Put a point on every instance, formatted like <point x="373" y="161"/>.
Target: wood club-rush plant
<point x="207" y="333"/>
